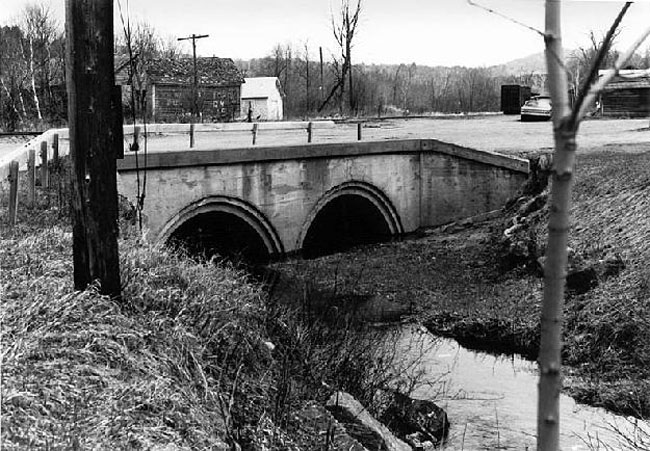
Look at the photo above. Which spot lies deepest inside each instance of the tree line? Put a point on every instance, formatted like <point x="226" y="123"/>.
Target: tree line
<point x="315" y="83"/>
<point x="378" y="89"/>
<point x="32" y="70"/>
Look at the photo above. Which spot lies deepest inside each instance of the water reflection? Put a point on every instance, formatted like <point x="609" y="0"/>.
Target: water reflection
<point x="492" y="401"/>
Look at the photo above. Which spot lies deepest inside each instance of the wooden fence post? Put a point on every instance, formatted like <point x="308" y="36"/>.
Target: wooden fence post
<point x="309" y="132"/>
<point x="44" y="171"/>
<point x="31" y="178"/>
<point x="254" y="133"/>
<point x="55" y="151"/>
<point x="359" y="131"/>
<point x="13" y="192"/>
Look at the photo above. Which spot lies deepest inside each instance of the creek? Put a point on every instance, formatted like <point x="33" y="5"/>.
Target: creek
<point x="491" y="401"/>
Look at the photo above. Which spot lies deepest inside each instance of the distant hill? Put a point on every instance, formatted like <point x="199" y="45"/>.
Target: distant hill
<point x="531" y="64"/>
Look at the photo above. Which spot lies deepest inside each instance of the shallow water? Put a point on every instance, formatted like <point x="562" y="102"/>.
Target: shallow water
<point x="491" y="401"/>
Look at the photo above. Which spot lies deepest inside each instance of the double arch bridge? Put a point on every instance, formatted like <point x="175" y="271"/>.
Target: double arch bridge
<point x="265" y="202"/>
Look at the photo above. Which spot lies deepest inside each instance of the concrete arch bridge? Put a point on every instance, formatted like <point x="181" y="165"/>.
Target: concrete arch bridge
<point x="265" y="202"/>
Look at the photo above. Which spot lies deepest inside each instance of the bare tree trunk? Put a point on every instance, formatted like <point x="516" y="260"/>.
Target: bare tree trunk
<point x="565" y="126"/>
<point x="32" y="72"/>
<point x="22" y="103"/>
<point x="9" y="97"/>
<point x="307" y="79"/>
<point x="550" y="382"/>
<point x="348" y="56"/>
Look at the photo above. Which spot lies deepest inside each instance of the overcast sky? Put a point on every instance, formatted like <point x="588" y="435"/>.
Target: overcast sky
<point x="428" y="32"/>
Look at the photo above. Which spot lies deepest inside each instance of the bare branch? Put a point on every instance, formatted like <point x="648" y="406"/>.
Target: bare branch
<point x="606" y="78"/>
<point x="595" y="65"/>
<point x="490" y="10"/>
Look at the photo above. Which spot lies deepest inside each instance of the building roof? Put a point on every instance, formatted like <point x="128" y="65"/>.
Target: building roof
<point x="212" y="71"/>
<point x="628" y="79"/>
<point x="260" y="87"/>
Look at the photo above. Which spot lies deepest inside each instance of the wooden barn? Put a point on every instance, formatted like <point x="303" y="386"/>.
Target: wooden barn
<point x="628" y="94"/>
<point x="168" y="88"/>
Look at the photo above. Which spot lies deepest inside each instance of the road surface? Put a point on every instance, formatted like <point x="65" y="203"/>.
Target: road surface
<point x="496" y="133"/>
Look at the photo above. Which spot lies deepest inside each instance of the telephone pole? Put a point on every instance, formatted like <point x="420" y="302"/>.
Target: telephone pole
<point x="95" y="121"/>
<point x="195" y="87"/>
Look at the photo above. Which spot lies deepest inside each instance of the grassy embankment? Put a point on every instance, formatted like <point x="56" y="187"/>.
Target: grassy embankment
<point x="193" y="357"/>
<point x="456" y="278"/>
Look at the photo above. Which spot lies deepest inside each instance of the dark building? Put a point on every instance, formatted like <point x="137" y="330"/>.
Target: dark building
<point x="168" y="86"/>
<point x="628" y="94"/>
<point x="513" y="97"/>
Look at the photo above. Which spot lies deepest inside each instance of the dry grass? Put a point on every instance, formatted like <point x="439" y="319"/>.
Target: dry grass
<point x="194" y="357"/>
<point x="83" y="372"/>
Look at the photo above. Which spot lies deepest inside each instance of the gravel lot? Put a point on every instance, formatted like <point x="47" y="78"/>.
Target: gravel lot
<point x="503" y="134"/>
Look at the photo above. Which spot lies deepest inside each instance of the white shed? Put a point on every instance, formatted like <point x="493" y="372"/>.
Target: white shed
<point x="263" y="97"/>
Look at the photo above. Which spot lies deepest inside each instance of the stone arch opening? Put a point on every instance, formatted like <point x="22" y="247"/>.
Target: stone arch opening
<point x="226" y="227"/>
<point x="350" y="215"/>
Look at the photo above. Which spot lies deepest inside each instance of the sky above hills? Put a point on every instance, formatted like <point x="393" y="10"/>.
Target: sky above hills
<point x="427" y="32"/>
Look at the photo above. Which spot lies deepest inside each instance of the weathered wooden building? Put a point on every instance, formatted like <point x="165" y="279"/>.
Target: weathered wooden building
<point x="628" y="94"/>
<point x="168" y="86"/>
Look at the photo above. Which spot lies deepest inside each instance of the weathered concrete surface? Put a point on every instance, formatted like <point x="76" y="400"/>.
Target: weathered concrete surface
<point x="316" y="421"/>
<point x="279" y="191"/>
<point x="361" y="425"/>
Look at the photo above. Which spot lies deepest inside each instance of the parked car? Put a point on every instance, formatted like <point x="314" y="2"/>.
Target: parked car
<point x="537" y="108"/>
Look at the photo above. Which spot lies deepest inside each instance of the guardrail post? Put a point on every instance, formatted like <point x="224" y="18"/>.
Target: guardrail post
<point x="254" y="133"/>
<point x="192" y="135"/>
<point x="31" y="178"/>
<point x="309" y="131"/>
<point x="55" y="153"/>
<point x="13" y="192"/>
<point x="359" y="131"/>
<point x="44" y="172"/>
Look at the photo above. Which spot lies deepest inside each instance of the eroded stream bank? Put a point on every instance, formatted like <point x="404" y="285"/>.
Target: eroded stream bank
<point x="491" y="401"/>
<point x="454" y="281"/>
<point x="489" y="398"/>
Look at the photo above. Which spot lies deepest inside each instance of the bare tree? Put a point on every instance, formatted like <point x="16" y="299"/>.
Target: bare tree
<point x="566" y="122"/>
<point x="306" y="76"/>
<point x="12" y="77"/>
<point x="344" y="28"/>
<point x="582" y="59"/>
<point x="40" y="31"/>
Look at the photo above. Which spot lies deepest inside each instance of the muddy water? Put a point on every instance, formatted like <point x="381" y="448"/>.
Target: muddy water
<point x="491" y="401"/>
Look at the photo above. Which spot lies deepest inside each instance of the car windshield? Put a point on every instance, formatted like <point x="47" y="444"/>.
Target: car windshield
<point x="539" y="101"/>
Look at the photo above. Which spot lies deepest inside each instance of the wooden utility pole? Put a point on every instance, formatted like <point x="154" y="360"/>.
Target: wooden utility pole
<point x="195" y="86"/>
<point x="307" y="80"/>
<point x="320" y="87"/>
<point x="95" y="139"/>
